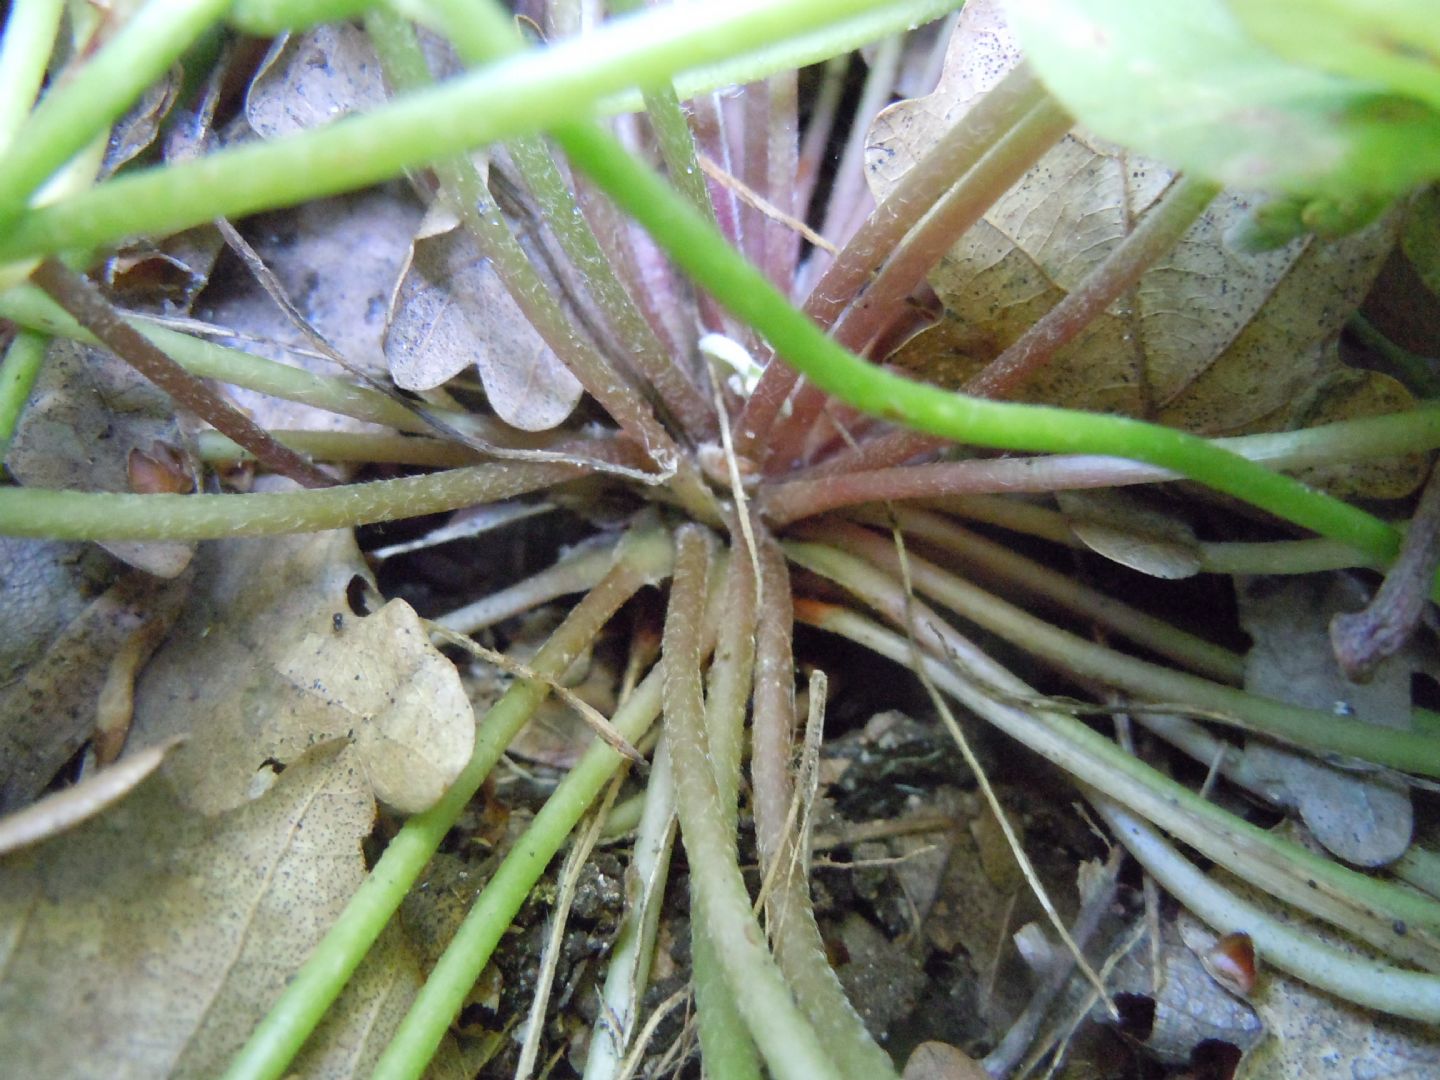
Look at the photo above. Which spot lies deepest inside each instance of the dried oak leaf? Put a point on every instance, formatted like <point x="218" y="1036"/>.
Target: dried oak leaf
<point x="267" y="661"/>
<point x="151" y="940"/>
<point x="1211" y="340"/>
<point x="451" y="310"/>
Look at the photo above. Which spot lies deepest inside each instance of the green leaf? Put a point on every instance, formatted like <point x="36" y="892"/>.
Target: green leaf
<point x="1392" y="42"/>
<point x="1185" y="83"/>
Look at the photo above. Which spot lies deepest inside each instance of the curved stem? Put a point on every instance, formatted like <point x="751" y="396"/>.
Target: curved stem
<point x="708" y="259"/>
<point x="524" y="94"/>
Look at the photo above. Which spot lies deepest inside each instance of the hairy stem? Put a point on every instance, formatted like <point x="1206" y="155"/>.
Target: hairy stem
<point x="513" y="97"/>
<point x="821" y="489"/>
<point x="80" y="515"/>
<point x="708" y="259"/>
<point x="799" y="947"/>
<point x="786" y="1039"/>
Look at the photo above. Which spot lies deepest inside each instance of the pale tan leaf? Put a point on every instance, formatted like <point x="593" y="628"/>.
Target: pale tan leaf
<point x="337" y="261"/>
<point x="450" y="310"/>
<point x="150" y="941"/>
<point x="66" y="808"/>
<point x="287" y="665"/>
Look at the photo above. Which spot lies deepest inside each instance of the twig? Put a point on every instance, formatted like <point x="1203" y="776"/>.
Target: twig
<point x="1363" y="639"/>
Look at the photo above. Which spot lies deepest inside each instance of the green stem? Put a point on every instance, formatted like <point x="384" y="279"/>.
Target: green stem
<point x="95" y="96"/>
<point x="350" y="446"/>
<point x="443" y="994"/>
<point x="1311" y="728"/>
<point x="1336" y="970"/>
<point x="709" y="260"/>
<point x="270" y="18"/>
<point x="23" y="360"/>
<point x="24" y="53"/>
<point x="726" y="1047"/>
<point x="1403" y="923"/>
<point x="315" y="986"/>
<point x="783" y="1034"/>
<point x="524" y="94"/>
<point x="81" y="515"/>
<point x="28" y="306"/>
<point x="1146" y="630"/>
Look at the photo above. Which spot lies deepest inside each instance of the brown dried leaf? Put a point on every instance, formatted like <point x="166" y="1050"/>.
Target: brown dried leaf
<point x="55" y="664"/>
<point x="1130" y="531"/>
<point x="88" y="410"/>
<point x="1210" y="340"/>
<point x="450" y="310"/>
<point x="1364" y="819"/>
<point x="1348" y="395"/>
<point x="941" y="1061"/>
<point x="267" y="661"/>
<point x="135" y="132"/>
<point x="149" y="941"/>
